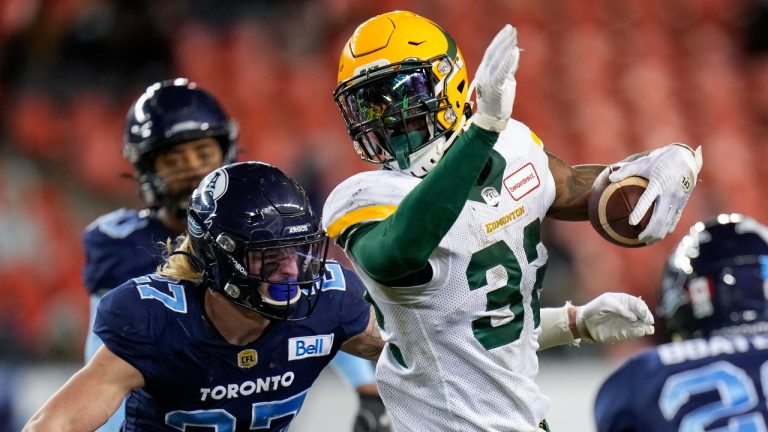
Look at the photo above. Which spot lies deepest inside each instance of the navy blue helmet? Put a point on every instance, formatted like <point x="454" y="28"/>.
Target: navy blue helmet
<point x="716" y="281"/>
<point x="259" y="241"/>
<point x="170" y="113"/>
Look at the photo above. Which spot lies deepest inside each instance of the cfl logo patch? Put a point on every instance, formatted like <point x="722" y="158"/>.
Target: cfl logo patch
<point x="247" y="358"/>
<point x="309" y="346"/>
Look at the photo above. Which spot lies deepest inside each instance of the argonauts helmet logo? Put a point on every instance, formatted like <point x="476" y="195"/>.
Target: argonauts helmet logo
<point x="203" y="201"/>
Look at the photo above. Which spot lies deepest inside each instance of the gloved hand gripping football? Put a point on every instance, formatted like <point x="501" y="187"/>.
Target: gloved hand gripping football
<point x="672" y="172"/>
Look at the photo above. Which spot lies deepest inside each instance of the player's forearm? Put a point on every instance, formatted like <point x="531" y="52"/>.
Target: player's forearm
<point x="401" y="244"/>
<point x="572" y="186"/>
<point x="72" y="408"/>
<point x="368" y="344"/>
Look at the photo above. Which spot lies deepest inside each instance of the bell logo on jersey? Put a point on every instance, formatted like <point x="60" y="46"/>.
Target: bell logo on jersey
<point x="247" y="358"/>
<point x="309" y="346"/>
<point x="521" y="182"/>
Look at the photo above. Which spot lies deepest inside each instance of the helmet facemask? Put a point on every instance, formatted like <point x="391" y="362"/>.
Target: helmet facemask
<point x="279" y="280"/>
<point x="172" y="192"/>
<point x="392" y="114"/>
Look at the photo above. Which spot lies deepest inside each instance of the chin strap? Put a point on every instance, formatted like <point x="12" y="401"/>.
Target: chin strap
<point x="197" y="264"/>
<point x="402" y="146"/>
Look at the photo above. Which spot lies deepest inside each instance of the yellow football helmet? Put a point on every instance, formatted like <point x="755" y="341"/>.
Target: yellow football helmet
<point x="402" y="89"/>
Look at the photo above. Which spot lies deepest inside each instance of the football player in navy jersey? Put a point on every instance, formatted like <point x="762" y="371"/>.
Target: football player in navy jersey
<point x="233" y="329"/>
<point x="175" y="133"/>
<point x="243" y="315"/>
<point x="713" y="375"/>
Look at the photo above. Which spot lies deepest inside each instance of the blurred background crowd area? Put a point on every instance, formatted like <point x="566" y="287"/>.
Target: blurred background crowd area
<point x="599" y="80"/>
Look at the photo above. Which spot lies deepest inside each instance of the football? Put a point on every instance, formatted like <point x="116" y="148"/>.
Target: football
<point x="610" y="205"/>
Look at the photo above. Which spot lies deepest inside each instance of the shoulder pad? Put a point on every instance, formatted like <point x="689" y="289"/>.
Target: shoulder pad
<point x="118" y="224"/>
<point x="519" y="132"/>
<point x="365" y="197"/>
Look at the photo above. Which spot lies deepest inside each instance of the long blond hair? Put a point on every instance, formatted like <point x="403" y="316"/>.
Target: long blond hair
<point x="178" y="265"/>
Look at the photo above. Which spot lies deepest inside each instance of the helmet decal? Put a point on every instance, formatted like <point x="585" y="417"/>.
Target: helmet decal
<point x="211" y="188"/>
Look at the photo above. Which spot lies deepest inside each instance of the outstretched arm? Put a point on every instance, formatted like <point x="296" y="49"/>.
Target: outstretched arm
<point x="401" y="245"/>
<point x="90" y="397"/>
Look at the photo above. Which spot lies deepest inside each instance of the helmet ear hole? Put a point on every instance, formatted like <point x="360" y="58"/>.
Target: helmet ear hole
<point x="460" y="89"/>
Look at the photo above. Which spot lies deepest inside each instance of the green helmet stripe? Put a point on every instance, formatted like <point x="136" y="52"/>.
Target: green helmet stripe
<point x="452" y="50"/>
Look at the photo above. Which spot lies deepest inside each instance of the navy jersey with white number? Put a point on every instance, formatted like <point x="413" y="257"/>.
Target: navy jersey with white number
<point x="121" y="245"/>
<point x="716" y="384"/>
<point x="196" y="381"/>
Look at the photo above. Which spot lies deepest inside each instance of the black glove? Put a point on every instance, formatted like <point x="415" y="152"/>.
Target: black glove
<point x="372" y="416"/>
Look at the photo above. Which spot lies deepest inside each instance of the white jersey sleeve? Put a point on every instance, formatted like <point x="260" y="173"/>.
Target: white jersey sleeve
<point x="365" y="197"/>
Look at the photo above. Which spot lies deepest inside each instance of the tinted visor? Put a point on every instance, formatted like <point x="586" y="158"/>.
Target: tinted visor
<point x="296" y="264"/>
<point x="390" y="106"/>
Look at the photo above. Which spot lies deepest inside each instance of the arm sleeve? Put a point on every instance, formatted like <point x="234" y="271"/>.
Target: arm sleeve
<point x="401" y="244"/>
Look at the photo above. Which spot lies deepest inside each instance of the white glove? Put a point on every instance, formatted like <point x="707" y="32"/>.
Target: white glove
<point x="495" y="80"/>
<point x="611" y="317"/>
<point x="671" y="172"/>
<point x="614" y="317"/>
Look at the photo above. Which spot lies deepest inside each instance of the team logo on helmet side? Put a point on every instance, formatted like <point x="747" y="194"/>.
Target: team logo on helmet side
<point x="204" y="198"/>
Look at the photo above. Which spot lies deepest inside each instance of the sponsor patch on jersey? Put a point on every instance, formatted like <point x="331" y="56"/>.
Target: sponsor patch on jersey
<point x="247" y="358"/>
<point x="522" y="182"/>
<point x="504" y="221"/>
<point x="309" y="346"/>
<point x="491" y="196"/>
